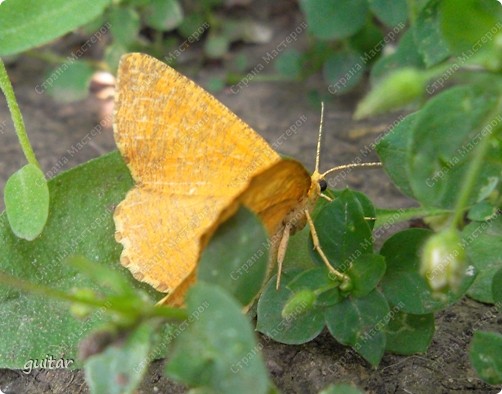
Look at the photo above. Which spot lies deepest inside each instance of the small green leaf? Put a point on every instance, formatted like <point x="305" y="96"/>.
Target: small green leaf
<point x="334" y="19"/>
<point x="402" y="283"/>
<point x="484" y="247"/>
<point x="217" y="352"/>
<point x="497" y="289"/>
<point x="343" y="70"/>
<point x="301" y="326"/>
<point x="26" y="24"/>
<point x="69" y="81"/>
<point x="428" y="35"/>
<point x="164" y="15"/>
<point x="365" y="272"/>
<point x="341" y="389"/>
<point x="301" y="301"/>
<point x="393" y="152"/>
<point x="408" y="334"/>
<point x="360" y="323"/>
<point x="241" y="268"/>
<point x="390" y="12"/>
<point x="482" y="211"/>
<point x="120" y="368"/>
<point x="289" y="64"/>
<point x="216" y="46"/>
<point x="343" y="231"/>
<point x="485" y="351"/>
<point x="125" y="25"/>
<point x="26" y="198"/>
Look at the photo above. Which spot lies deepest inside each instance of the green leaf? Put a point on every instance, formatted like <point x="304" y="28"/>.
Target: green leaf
<point x="341" y="389"/>
<point x="317" y="280"/>
<point x="390" y="12"/>
<point x="299" y="327"/>
<point x="120" y="368"/>
<point x="343" y="70"/>
<point x="360" y="323"/>
<point x="343" y="231"/>
<point x="80" y="223"/>
<point x="334" y="19"/>
<point x="485" y="351"/>
<point x="402" y="283"/>
<point x="472" y="25"/>
<point x="405" y="55"/>
<point x="497" y="289"/>
<point x="70" y="81"/>
<point x="428" y="35"/>
<point x="393" y="151"/>
<point x="26" y="24"/>
<point x="125" y="25"/>
<point x="482" y="211"/>
<point x="216" y="46"/>
<point x="164" y="15"/>
<point x="241" y="268"/>
<point x="444" y="138"/>
<point x="484" y="247"/>
<point x="365" y="272"/>
<point x="26" y="198"/>
<point x="408" y="334"/>
<point x="217" y="352"/>
<point x="289" y="64"/>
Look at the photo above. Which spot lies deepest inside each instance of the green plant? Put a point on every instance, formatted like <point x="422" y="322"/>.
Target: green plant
<point x="447" y="156"/>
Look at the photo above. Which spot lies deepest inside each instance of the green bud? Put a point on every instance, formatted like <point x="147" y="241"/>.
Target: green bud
<point x="298" y="304"/>
<point x="444" y="261"/>
<point x="395" y="91"/>
<point x="82" y="310"/>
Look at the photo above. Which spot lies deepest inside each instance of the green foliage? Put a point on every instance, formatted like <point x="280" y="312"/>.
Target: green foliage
<point x="218" y="352"/>
<point x="485" y="351"/>
<point x="26" y="198"/>
<point x="25" y="24"/>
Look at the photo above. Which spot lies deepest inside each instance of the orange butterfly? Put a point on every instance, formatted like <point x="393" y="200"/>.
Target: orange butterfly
<point x="193" y="162"/>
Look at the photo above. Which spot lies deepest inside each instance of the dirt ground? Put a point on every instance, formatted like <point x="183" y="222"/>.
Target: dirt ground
<point x="270" y="108"/>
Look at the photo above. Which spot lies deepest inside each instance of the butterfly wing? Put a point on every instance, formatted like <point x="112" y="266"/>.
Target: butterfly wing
<point x="189" y="156"/>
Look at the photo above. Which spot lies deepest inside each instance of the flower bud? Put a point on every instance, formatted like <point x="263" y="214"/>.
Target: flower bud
<point x="444" y="261"/>
<point x="396" y="90"/>
<point x="298" y="304"/>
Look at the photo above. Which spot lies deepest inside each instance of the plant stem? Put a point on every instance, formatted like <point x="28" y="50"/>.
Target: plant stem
<point x="17" y="118"/>
<point x="473" y="171"/>
<point x="154" y="311"/>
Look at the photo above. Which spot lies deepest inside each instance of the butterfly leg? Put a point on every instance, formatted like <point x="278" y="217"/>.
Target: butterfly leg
<point x="317" y="247"/>
<point x="281" y="251"/>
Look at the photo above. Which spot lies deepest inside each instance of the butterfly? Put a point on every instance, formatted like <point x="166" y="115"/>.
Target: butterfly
<point x="194" y="162"/>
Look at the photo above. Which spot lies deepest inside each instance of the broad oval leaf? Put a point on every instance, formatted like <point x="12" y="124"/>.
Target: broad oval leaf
<point x="25" y="24"/>
<point x="297" y="328"/>
<point x="26" y="197"/>
<point x="334" y="19"/>
<point x="217" y="352"/>
<point x="236" y="256"/>
<point x="360" y="323"/>
<point x="485" y="351"/>
<point x="409" y="334"/>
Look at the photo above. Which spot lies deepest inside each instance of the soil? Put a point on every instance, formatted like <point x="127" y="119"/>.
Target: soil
<point x="270" y="108"/>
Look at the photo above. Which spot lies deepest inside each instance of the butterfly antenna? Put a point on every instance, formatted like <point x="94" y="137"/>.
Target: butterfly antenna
<point x="318" y="153"/>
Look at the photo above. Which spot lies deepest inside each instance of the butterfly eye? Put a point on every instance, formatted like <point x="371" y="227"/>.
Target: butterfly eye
<point x="323" y="184"/>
